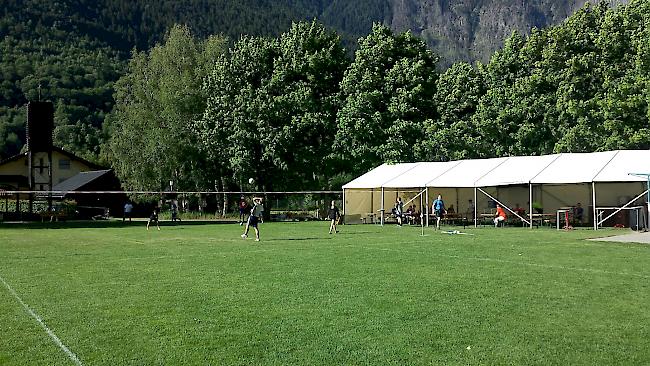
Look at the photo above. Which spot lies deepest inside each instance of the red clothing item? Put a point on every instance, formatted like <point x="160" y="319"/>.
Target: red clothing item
<point x="501" y="212"/>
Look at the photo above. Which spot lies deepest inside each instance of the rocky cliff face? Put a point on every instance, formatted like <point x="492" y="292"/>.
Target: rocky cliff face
<point x="473" y="29"/>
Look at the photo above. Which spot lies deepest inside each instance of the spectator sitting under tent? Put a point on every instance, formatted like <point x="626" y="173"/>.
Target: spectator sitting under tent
<point x="519" y="210"/>
<point x="500" y="216"/>
<point x="578" y="212"/>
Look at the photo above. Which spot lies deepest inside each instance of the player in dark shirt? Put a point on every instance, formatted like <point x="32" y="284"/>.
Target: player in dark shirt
<point x="254" y="218"/>
<point x="154" y="217"/>
<point x="334" y="215"/>
<point x="243" y="210"/>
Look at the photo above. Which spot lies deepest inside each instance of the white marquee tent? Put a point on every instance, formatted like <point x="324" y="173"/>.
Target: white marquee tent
<point x="603" y="182"/>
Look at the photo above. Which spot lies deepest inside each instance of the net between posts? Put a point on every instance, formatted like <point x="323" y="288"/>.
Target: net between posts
<point x="172" y="205"/>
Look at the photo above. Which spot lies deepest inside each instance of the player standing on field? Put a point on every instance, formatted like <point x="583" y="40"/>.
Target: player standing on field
<point x="154" y="217"/>
<point x="333" y="214"/>
<point x="253" y="219"/>
<point x="439" y="210"/>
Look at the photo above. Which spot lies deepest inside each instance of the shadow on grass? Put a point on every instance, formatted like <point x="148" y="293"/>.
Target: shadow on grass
<point x="104" y="224"/>
<point x="298" y="239"/>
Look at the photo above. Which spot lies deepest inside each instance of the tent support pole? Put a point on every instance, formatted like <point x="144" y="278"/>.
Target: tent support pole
<point x="475" y="209"/>
<point x="344" y="207"/>
<point x="530" y="204"/>
<point x="427" y="205"/>
<point x="593" y="204"/>
<point x="421" y="210"/>
<point x="381" y="219"/>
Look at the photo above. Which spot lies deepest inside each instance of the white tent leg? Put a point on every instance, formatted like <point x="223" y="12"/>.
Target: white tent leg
<point x="344" y="207"/>
<point x="421" y="210"/>
<point x="475" y="209"/>
<point x="530" y="204"/>
<point x="593" y="204"/>
<point x="648" y="202"/>
<point x="427" y="205"/>
<point x="381" y="219"/>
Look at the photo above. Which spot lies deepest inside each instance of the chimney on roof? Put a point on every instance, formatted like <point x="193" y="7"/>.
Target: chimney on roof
<point x="40" y="126"/>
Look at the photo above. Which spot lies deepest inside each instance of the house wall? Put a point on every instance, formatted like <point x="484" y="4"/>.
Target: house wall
<point x="16" y="167"/>
<point x="64" y="167"/>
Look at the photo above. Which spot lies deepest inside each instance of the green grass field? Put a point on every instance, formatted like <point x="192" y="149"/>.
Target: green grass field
<point x="197" y="294"/>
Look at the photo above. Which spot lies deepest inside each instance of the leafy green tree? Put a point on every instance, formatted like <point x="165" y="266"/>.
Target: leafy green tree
<point x="272" y="107"/>
<point x="453" y="134"/>
<point x="388" y="96"/>
<point x="579" y="82"/>
<point x="12" y="130"/>
<point x="48" y="62"/>
<point x="228" y="132"/>
<point x="623" y="40"/>
<point x="576" y="87"/>
<point x="156" y="101"/>
<point x="497" y="117"/>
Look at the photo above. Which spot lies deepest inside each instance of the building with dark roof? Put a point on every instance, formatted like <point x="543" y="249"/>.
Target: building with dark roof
<point x="45" y="167"/>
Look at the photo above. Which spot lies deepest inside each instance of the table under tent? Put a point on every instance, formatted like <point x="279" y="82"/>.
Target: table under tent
<point x="535" y="190"/>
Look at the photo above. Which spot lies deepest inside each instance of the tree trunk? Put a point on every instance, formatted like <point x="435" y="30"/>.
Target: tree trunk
<point x="224" y="210"/>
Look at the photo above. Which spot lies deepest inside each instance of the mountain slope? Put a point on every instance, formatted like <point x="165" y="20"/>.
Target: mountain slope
<point x="473" y="29"/>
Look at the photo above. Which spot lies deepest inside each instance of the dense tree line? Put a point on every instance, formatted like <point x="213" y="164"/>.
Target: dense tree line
<point x="76" y="49"/>
<point x="40" y="58"/>
<point x="298" y="110"/>
<point x="294" y="112"/>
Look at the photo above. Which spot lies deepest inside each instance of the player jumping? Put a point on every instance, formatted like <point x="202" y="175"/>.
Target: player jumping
<point x="253" y="219"/>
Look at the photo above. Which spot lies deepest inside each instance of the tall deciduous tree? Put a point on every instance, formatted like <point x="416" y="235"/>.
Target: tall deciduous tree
<point x="388" y="96"/>
<point x="272" y="107"/>
<point x="453" y="134"/>
<point x="156" y="101"/>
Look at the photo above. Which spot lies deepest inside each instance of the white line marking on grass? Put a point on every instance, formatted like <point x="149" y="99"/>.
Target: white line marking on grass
<point x="485" y="259"/>
<point x="40" y="321"/>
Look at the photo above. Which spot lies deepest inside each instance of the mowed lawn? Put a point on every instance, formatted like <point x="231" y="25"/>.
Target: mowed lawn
<point x="197" y="294"/>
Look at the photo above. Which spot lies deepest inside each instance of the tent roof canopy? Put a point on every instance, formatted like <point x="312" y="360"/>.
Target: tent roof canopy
<point x="380" y="175"/>
<point x="421" y="174"/>
<point x="575" y="168"/>
<point x="466" y="173"/>
<point x="565" y="168"/>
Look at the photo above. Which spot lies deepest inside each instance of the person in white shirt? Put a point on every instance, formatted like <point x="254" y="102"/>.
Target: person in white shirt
<point x="128" y="207"/>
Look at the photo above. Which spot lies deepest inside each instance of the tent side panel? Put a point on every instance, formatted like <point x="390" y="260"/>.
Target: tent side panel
<point x="554" y="197"/>
<point x="358" y="203"/>
<point x="618" y="195"/>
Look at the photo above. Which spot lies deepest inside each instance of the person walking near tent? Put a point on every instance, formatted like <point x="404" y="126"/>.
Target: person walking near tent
<point x="399" y="210"/>
<point x="438" y="209"/>
<point x="333" y="214"/>
<point x="500" y="215"/>
<point x="253" y="219"/>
